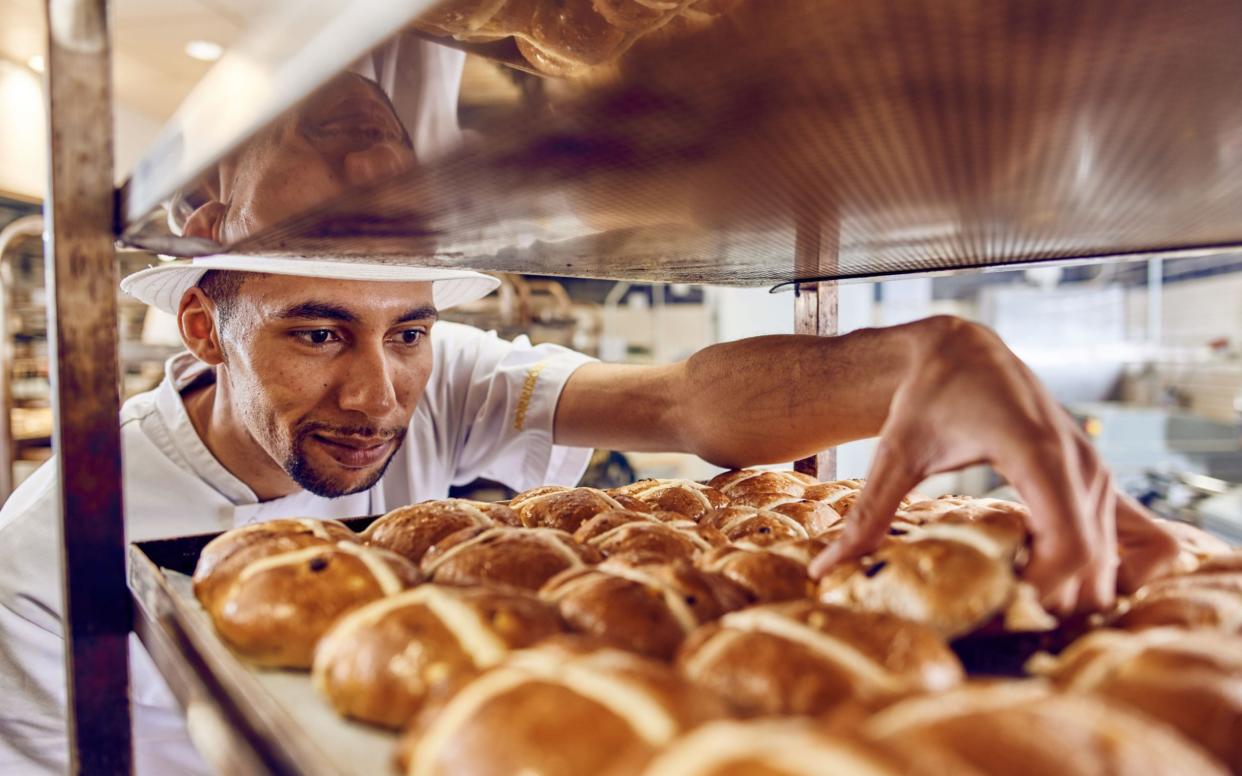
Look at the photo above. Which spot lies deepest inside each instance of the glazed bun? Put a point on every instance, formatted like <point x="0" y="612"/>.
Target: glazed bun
<point x="1017" y="729"/>
<point x="662" y="534"/>
<point x="776" y="747"/>
<point x="523" y="558"/>
<point x="955" y="575"/>
<point x="767" y="575"/>
<point x="807" y="658"/>
<point x="381" y="662"/>
<point x="412" y="530"/>
<point x="783" y="518"/>
<point x="1191" y="680"/>
<point x="275" y="609"/>
<point x="222" y="558"/>
<point x="642" y="604"/>
<point x="566" y="509"/>
<point x="687" y="498"/>
<point x="564" y="708"/>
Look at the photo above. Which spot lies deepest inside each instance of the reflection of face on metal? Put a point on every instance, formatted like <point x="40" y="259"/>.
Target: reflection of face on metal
<point x="345" y="134"/>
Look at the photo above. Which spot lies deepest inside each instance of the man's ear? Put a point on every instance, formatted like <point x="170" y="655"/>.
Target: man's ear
<point x="205" y="221"/>
<point x="197" y="322"/>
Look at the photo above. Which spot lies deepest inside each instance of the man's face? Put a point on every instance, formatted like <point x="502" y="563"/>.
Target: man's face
<point x="343" y="135"/>
<point x="325" y="374"/>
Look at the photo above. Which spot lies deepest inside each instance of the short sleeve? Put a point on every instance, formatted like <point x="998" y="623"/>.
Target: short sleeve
<point x="500" y="398"/>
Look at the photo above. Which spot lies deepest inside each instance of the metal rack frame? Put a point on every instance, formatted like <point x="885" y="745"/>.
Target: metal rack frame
<point x="84" y="216"/>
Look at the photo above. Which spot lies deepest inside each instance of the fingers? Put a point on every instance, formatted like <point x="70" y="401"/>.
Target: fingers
<point x="1073" y="547"/>
<point x="892" y="476"/>
<point x="1146" y="547"/>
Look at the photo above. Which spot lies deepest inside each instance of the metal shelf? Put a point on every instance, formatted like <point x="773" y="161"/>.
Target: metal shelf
<point x="896" y="138"/>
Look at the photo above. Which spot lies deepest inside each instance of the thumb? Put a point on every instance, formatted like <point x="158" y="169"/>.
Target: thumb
<point x="892" y="476"/>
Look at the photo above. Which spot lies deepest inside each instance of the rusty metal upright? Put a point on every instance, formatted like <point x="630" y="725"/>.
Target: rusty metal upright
<point x="815" y="311"/>
<point x="82" y="329"/>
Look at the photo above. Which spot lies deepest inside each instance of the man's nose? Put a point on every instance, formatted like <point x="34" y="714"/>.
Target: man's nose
<point x="368" y="386"/>
<point x="375" y="162"/>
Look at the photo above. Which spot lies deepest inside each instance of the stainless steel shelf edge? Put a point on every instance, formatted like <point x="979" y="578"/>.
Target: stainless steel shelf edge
<point x="276" y="63"/>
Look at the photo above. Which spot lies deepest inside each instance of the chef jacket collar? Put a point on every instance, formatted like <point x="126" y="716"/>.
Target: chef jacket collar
<point x="180" y="372"/>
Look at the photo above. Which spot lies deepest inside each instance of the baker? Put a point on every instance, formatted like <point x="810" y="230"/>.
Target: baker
<point x="329" y="389"/>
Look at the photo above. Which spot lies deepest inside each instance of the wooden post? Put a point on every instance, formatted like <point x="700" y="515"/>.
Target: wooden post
<point x="82" y="344"/>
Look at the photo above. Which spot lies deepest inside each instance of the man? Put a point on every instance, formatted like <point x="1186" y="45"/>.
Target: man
<point x="327" y="389"/>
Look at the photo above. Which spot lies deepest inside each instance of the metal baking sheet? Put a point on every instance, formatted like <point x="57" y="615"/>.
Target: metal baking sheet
<point x="801" y="139"/>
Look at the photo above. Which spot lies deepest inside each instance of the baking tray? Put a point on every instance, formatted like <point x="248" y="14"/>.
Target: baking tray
<point x="242" y="718"/>
<point x="254" y="720"/>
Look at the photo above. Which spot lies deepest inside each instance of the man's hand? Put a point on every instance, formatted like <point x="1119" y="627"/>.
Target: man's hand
<point x="967" y="399"/>
<point x="941" y="393"/>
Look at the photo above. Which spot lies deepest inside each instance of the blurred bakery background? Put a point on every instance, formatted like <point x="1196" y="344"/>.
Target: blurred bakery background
<point x="1147" y="355"/>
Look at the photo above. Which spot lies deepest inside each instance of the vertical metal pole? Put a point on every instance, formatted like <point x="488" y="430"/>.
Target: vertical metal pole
<point x="82" y="334"/>
<point x="815" y="313"/>
<point x="27" y="226"/>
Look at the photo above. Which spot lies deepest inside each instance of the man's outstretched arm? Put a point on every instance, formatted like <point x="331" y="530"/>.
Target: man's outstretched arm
<point x="940" y="393"/>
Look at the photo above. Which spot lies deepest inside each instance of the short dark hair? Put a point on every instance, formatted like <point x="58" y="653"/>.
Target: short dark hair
<point x="222" y="287"/>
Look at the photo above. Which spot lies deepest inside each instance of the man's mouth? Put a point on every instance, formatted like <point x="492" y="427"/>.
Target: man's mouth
<point x="355" y="452"/>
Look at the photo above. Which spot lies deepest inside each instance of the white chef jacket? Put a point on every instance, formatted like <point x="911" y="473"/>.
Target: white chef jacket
<point x="487" y="412"/>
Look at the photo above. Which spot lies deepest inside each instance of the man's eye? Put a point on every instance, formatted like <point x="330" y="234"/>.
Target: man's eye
<point x="411" y="336"/>
<point x="317" y="336"/>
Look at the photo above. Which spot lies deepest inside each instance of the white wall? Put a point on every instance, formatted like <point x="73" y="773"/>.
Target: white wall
<point x="23" y="133"/>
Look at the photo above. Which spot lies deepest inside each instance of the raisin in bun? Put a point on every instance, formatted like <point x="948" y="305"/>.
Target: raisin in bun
<point x="1020" y="729"/>
<point x="412" y="530"/>
<point x="784" y="519"/>
<point x="1191" y="680"/>
<point x="229" y="552"/>
<point x="566" y="509"/>
<point x="563" y="708"/>
<point x="524" y="558"/>
<point x="687" y="498"/>
<point x="275" y="609"/>
<point x="806" y="658"/>
<point x="955" y="575"/>
<point x="380" y="662"/>
<point x="662" y="534"/>
<point x="644" y="604"/>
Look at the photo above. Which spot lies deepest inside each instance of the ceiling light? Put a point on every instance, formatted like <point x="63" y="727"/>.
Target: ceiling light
<point x="35" y="63"/>
<point x="204" y="50"/>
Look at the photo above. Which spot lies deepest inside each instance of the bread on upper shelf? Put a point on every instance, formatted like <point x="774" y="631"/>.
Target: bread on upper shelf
<point x="956" y="572"/>
<point x="644" y="604"/>
<point x="1024" y="729"/>
<point x="806" y="658"/>
<point x="380" y="662"/>
<point x="517" y="557"/>
<point x="664" y="534"/>
<point x="224" y="556"/>
<point x="274" y="610"/>
<point x="1189" y="679"/>
<point x="412" y="530"/>
<point x="566" y="509"/>
<point x="563" y="708"/>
